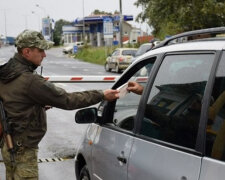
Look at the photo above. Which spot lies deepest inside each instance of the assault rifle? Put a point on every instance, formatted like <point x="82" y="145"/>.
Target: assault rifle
<point x="7" y="133"/>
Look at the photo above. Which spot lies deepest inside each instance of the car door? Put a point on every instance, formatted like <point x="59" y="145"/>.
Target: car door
<point x="113" y="59"/>
<point x="169" y="116"/>
<point x="112" y="144"/>
<point x="213" y="164"/>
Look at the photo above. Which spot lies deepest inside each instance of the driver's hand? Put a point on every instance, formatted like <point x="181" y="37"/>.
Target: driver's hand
<point x="135" y="87"/>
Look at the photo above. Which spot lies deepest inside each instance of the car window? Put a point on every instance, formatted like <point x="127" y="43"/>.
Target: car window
<point x="126" y="107"/>
<point x="116" y="53"/>
<point x="143" y="49"/>
<point x="129" y="52"/>
<point x="215" y="132"/>
<point x="173" y="109"/>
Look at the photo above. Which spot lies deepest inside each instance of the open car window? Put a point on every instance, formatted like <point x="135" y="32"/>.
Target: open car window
<point x="126" y="107"/>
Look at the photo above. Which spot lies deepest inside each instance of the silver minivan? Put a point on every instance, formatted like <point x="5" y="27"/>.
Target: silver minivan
<point x="175" y="130"/>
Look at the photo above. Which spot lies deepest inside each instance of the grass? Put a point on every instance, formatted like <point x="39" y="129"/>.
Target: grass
<point x="95" y="55"/>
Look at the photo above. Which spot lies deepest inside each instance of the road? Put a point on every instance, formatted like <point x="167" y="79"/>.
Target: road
<point x="63" y="135"/>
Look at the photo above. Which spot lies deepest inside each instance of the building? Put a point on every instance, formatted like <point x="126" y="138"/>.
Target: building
<point x="99" y="30"/>
<point x="73" y="33"/>
<point x="8" y="40"/>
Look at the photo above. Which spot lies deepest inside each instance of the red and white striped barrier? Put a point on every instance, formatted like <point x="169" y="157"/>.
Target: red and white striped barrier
<point x="82" y="79"/>
<point x="89" y="79"/>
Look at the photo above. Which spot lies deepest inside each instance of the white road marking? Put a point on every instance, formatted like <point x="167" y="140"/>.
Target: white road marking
<point x="97" y="176"/>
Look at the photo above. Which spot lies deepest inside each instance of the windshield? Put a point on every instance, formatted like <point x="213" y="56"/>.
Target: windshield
<point x="129" y="52"/>
<point x="143" y="49"/>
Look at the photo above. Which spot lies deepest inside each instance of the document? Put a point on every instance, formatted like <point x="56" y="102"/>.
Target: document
<point x="123" y="90"/>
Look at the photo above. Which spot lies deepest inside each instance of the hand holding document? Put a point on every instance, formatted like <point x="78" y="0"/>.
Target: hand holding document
<point x="123" y="90"/>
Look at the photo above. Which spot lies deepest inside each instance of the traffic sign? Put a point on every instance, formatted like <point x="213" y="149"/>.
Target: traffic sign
<point x="107" y="27"/>
<point x="75" y="49"/>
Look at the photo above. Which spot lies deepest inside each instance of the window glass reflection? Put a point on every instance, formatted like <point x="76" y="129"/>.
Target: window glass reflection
<point x="215" y="132"/>
<point x="173" y="110"/>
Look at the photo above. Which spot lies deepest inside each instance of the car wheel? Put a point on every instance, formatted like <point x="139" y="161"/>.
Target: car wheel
<point x="84" y="173"/>
<point x="117" y="69"/>
<point x="107" y="69"/>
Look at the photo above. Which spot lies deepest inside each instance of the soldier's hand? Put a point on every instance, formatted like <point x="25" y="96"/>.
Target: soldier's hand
<point x="110" y="94"/>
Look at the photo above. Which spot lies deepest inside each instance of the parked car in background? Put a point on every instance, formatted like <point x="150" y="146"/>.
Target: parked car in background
<point x="175" y="130"/>
<point x="120" y="59"/>
<point x="142" y="49"/>
<point x="68" y="49"/>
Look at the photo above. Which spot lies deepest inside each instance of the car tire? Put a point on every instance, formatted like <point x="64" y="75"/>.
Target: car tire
<point x="118" y="69"/>
<point x="107" y="69"/>
<point x="84" y="174"/>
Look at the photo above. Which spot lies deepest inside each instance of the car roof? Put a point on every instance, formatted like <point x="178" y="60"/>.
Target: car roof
<point x="146" y="44"/>
<point x="195" y="34"/>
<point x="200" y="45"/>
<point x="203" y="39"/>
<point x="126" y="49"/>
<point x="190" y="46"/>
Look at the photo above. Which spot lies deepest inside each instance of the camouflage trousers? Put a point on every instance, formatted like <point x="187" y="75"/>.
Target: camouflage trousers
<point x="25" y="167"/>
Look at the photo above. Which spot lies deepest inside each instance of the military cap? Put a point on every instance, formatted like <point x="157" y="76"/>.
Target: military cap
<point x="30" y="38"/>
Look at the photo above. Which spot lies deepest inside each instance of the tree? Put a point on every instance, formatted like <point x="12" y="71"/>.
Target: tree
<point x="98" y="12"/>
<point x="116" y="12"/>
<point x="58" y="30"/>
<point x="169" y="17"/>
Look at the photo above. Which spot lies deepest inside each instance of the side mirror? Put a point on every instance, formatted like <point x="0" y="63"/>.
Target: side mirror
<point x="88" y="115"/>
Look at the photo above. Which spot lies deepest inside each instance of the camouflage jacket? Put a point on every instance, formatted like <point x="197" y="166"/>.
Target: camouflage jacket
<point x="25" y="95"/>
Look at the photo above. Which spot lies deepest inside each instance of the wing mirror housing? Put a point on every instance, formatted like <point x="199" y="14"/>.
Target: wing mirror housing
<point x="87" y="115"/>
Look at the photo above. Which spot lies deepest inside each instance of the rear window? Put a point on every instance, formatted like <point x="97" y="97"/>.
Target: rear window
<point x="129" y="52"/>
<point x="143" y="49"/>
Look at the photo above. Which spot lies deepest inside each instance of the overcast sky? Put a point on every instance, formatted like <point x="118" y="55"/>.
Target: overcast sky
<point x="18" y="13"/>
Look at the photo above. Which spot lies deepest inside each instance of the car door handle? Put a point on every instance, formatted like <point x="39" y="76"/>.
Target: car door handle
<point x="183" y="178"/>
<point x="122" y="159"/>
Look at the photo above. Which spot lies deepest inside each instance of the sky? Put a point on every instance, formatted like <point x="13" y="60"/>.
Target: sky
<point x="17" y="15"/>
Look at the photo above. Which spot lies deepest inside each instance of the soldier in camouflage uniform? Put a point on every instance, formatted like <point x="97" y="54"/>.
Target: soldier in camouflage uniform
<point x="25" y="96"/>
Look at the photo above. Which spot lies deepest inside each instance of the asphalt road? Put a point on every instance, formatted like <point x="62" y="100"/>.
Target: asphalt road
<point x="63" y="135"/>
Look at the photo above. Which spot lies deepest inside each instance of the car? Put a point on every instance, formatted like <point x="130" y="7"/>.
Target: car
<point x="120" y="59"/>
<point x="68" y="49"/>
<point x="142" y="49"/>
<point x="175" y="129"/>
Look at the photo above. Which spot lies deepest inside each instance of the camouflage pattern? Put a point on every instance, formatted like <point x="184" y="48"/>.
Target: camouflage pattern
<point x="25" y="167"/>
<point x="25" y="95"/>
<point x="30" y="38"/>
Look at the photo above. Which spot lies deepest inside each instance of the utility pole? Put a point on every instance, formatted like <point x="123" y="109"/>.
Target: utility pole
<point x="43" y="9"/>
<point x="5" y="25"/>
<point x="83" y="25"/>
<point x="121" y="25"/>
<point x="38" y="18"/>
<point x="26" y="21"/>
